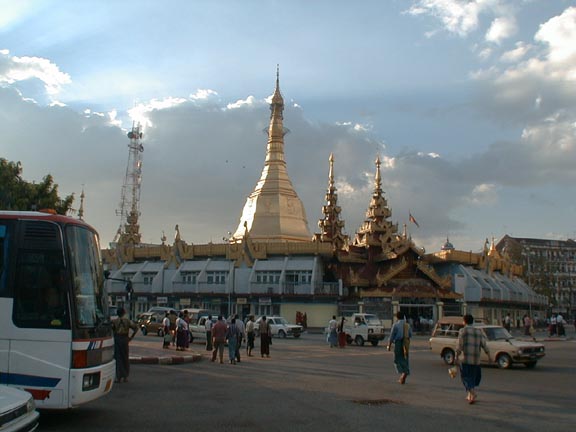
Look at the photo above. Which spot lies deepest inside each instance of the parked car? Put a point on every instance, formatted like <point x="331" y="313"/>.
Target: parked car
<point x="162" y="310"/>
<point x="504" y="349"/>
<point x="17" y="410"/>
<point x="279" y="327"/>
<point x="151" y="323"/>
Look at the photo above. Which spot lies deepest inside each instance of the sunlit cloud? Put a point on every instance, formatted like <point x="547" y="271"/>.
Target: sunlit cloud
<point x="500" y="29"/>
<point x="485" y="194"/>
<point x="14" y="69"/>
<point x="140" y="113"/>
<point x="203" y="94"/>
<point x="249" y="101"/>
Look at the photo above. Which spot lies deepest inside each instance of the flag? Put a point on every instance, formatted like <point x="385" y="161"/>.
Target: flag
<point x="411" y="218"/>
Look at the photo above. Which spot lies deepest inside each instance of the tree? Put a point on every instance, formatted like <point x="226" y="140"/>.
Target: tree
<point x="18" y="194"/>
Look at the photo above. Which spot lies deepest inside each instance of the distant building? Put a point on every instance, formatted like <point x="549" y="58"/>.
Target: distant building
<point x="490" y="283"/>
<point x="273" y="265"/>
<point x="550" y="268"/>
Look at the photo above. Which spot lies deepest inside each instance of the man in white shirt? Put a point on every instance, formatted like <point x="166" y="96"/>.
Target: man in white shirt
<point x="167" y="336"/>
<point x="241" y="335"/>
<point x="208" y="328"/>
<point x="250" y="335"/>
<point x="560" y="325"/>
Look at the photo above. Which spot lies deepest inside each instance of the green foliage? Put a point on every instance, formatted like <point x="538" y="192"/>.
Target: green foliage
<point x="18" y="194"/>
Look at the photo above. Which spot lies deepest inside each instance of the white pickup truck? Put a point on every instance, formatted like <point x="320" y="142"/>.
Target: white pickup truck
<point x="198" y="329"/>
<point x="363" y="327"/>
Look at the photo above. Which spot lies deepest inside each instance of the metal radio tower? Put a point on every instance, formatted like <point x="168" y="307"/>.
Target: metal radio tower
<point x="129" y="211"/>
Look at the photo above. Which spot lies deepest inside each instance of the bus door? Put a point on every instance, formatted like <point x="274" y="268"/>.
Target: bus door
<point x="40" y="351"/>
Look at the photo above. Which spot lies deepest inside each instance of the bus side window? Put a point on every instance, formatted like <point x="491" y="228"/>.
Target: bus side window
<point x="40" y="298"/>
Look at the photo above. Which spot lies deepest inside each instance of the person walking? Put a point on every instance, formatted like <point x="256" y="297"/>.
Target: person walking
<point x="121" y="327"/>
<point x="332" y="332"/>
<point x="470" y="341"/>
<point x="241" y="331"/>
<point x="560" y="325"/>
<point x="508" y="322"/>
<point x="265" y="336"/>
<point x="167" y="337"/>
<point x="400" y="337"/>
<point x="527" y="323"/>
<point x="181" y="332"/>
<point x="250" y="335"/>
<point x="208" y="327"/>
<point x="218" y="339"/>
<point x="232" y="335"/>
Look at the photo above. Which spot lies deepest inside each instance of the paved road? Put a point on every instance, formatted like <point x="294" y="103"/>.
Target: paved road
<point x="306" y="386"/>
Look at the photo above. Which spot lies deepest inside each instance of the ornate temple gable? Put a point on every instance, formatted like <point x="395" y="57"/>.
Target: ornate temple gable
<point x="385" y="275"/>
<point x="273" y="211"/>
<point x="355" y="279"/>
<point x="331" y="227"/>
<point x="443" y="282"/>
<point x="245" y="251"/>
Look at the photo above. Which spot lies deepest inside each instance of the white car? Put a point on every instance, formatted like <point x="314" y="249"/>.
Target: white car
<point x="279" y="327"/>
<point x="504" y="349"/>
<point x="17" y="410"/>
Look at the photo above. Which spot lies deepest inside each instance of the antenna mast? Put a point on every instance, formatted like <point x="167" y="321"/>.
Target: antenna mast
<point x="129" y="211"/>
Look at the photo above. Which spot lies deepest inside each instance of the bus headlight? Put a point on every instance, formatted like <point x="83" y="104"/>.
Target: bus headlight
<point x="90" y="381"/>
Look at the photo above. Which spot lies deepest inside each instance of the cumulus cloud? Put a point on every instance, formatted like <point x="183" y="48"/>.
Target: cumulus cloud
<point x="516" y="54"/>
<point x="559" y="33"/>
<point x="15" y="69"/>
<point x="500" y="29"/>
<point x="483" y="194"/>
<point x="457" y="16"/>
<point x="534" y="81"/>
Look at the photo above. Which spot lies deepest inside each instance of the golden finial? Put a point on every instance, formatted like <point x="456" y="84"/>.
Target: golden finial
<point x="378" y="179"/>
<point x="331" y="172"/>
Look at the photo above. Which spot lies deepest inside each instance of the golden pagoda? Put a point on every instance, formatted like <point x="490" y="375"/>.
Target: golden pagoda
<point x="273" y="212"/>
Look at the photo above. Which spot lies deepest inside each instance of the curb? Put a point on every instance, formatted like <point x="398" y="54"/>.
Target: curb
<point x="164" y="360"/>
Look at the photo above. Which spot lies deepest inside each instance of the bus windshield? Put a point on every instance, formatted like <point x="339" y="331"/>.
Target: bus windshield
<point x="87" y="276"/>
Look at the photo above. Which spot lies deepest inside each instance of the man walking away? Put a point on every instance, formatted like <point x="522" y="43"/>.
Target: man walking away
<point x="470" y="341"/>
<point x="400" y="337"/>
<point x="218" y="339"/>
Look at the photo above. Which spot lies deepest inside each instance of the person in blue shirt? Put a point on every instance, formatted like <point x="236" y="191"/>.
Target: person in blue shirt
<point x="400" y="337"/>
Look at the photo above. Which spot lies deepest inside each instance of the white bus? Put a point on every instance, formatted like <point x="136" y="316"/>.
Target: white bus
<point x="55" y="336"/>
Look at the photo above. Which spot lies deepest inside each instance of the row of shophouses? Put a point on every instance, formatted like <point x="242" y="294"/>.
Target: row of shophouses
<point x="272" y="265"/>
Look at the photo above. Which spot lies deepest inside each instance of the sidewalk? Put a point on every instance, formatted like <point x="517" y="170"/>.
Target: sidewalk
<point x="151" y="352"/>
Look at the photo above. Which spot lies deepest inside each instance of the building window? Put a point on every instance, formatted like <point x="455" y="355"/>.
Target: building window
<point x="216" y="277"/>
<point x="268" y="277"/>
<point x="303" y="277"/>
<point x="148" y="278"/>
<point x="189" y="278"/>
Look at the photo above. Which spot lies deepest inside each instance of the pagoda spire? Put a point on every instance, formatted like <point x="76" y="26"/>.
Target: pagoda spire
<point x="273" y="211"/>
<point x="331" y="227"/>
<point x="376" y="228"/>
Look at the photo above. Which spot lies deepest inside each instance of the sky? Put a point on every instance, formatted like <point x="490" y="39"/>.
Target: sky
<point x="470" y="105"/>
